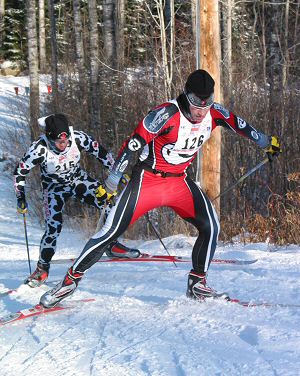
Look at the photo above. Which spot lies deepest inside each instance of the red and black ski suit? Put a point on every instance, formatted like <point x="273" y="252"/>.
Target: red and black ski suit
<point x="169" y="142"/>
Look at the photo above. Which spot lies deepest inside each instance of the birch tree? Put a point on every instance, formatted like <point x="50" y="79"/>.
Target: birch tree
<point x="119" y="29"/>
<point x="286" y="62"/>
<point x="113" y="32"/>
<point x="228" y="42"/>
<point x="33" y="64"/>
<point x="109" y="32"/>
<point x="94" y="65"/>
<point x="54" y="71"/>
<point x="167" y="56"/>
<point x="2" y="12"/>
<point x="42" y="38"/>
<point x="79" y="45"/>
<point x="167" y="44"/>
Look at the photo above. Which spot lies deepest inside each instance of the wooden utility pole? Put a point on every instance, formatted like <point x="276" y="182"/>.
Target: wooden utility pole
<point x="210" y="57"/>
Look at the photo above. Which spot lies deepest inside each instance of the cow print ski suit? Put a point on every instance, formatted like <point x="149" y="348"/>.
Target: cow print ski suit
<point x="62" y="178"/>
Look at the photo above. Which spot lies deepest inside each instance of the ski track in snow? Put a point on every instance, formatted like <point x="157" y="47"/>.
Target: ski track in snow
<point x="141" y="323"/>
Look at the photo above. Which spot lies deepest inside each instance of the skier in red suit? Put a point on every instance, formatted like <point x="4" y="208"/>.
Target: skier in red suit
<point x="168" y="140"/>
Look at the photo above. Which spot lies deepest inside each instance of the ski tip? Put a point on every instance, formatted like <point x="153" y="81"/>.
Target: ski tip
<point x="234" y="261"/>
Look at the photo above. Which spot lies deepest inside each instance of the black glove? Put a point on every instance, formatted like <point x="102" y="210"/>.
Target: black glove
<point x="22" y="206"/>
<point x="274" y="149"/>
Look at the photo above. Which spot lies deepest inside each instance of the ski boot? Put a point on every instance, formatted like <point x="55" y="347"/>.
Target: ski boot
<point x="197" y="289"/>
<point x="39" y="276"/>
<point x="62" y="290"/>
<point x="119" y="250"/>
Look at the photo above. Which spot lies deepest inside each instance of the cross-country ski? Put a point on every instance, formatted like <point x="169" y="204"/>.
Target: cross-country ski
<point x="251" y="304"/>
<point x="40" y="310"/>
<point x="146" y="257"/>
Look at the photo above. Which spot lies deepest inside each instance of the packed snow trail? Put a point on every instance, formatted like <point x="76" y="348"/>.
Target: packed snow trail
<point x="141" y="323"/>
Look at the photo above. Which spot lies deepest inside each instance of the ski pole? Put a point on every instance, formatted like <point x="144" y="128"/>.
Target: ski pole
<point x="158" y="236"/>
<point x="242" y="178"/>
<point x="26" y="239"/>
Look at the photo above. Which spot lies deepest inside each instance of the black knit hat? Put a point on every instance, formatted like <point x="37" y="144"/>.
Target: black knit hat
<point x="57" y="126"/>
<point x="200" y="83"/>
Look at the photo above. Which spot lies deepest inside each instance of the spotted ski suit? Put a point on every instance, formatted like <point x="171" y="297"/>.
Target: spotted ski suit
<point x="62" y="178"/>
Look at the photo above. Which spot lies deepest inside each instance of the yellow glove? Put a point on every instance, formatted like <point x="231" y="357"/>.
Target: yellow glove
<point x="102" y="195"/>
<point x="274" y="149"/>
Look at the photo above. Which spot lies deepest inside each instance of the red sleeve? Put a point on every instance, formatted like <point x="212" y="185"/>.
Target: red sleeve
<point x="150" y="127"/>
<point x="225" y="118"/>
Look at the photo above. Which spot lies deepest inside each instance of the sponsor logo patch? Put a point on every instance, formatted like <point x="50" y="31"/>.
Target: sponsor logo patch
<point x="254" y="135"/>
<point x="155" y="120"/>
<point x="134" y="144"/>
<point x="123" y="166"/>
<point x="158" y="119"/>
<point x="241" y="123"/>
<point x="222" y="110"/>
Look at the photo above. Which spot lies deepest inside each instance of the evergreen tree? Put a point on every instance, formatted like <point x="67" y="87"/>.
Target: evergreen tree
<point x="14" y="42"/>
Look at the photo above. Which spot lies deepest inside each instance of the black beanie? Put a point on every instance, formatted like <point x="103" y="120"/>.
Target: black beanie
<point x="200" y="83"/>
<point x="55" y="125"/>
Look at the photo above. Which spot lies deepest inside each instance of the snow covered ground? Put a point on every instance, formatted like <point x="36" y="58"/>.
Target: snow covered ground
<point x="141" y="322"/>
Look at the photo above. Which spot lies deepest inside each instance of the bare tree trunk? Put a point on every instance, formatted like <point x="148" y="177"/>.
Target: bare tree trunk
<point x="171" y="37"/>
<point x="264" y="45"/>
<point x="79" y="44"/>
<point x="94" y="61"/>
<point x="119" y="28"/>
<point x="2" y="12"/>
<point x="167" y="54"/>
<point x="228" y="43"/>
<point x="210" y="60"/>
<point x="33" y="62"/>
<point x="42" y="38"/>
<point x="109" y="32"/>
<point x="285" y="65"/>
<point x="274" y="60"/>
<point x="296" y="37"/>
<point x="194" y="19"/>
<point x="54" y="74"/>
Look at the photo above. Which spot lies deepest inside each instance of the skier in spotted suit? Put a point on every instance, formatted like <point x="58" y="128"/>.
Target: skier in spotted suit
<point x="168" y="140"/>
<point x="57" y="152"/>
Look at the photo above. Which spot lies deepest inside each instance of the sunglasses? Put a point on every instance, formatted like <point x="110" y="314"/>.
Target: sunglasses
<point x="198" y="102"/>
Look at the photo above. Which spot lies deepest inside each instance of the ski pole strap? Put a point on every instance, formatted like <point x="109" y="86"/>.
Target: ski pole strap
<point x="242" y="178"/>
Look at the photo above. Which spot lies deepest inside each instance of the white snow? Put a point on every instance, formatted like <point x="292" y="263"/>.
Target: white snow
<point x="141" y="323"/>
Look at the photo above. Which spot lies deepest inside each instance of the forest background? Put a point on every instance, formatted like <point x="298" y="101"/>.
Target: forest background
<point x="111" y="61"/>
